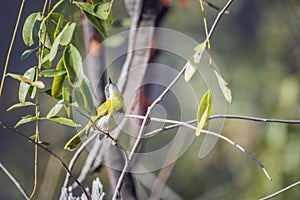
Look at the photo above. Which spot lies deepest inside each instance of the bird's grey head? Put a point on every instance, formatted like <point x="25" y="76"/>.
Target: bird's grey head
<point x="110" y="88"/>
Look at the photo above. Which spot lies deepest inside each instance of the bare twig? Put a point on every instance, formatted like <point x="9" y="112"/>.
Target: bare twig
<point x="139" y="137"/>
<point x="12" y="178"/>
<point x="281" y="191"/>
<point x="179" y="123"/>
<point x="87" y="141"/>
<point x="47" y="150"/>
<point x="220" y="14"/>
<point x="258" y="119"/>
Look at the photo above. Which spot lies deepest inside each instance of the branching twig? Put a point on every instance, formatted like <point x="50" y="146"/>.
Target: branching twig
<point x="281" y="191"/>
<point x="220" y="14"/>
<point x="12" y="178"/>
<point x="87" y="141"/>
<point x="179" y="123"/>
<point x="47" y="150"/>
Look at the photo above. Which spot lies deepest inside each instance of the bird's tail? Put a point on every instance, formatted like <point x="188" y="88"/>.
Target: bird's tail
<point x="73" y="143"/>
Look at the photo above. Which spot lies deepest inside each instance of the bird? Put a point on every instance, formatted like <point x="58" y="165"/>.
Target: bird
<point x="109" y="115"/>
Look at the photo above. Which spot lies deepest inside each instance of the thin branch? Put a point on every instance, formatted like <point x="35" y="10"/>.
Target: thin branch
<point x="281" y="191"/>
<point x="257" y="119"/>
<point x="220" y="14"/>
<point x="12" y="178"/>
<point x="47" y="150"/>
<point x="87" y="141"/>
<point x="11" y="46"/>
<point x="179" y="123"/>
<point x="139" y="137"/>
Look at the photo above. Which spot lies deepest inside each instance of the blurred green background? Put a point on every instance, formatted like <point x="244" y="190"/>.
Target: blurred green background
<point x="256" y="47"/>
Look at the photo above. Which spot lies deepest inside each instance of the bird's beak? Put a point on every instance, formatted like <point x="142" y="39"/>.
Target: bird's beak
<point x="109" y="80"/>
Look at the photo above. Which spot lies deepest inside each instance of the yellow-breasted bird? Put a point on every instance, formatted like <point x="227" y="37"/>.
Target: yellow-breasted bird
<point x="109" y="115"/>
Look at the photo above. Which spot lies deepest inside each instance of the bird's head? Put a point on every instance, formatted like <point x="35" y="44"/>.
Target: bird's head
<point x="111" y="90"/>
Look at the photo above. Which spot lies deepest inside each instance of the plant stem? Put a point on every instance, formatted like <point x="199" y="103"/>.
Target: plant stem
<point x="11" y="46"/>
<point x="48" y="151"/>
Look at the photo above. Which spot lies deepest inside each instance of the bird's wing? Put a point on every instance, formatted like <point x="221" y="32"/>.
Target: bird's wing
<point x="104" y="109"/>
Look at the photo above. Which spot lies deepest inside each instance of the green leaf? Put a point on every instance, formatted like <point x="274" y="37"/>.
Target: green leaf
<point x="45" y="143"/>
<point x="224" y="87"/>
<point x="46" y="63"/>
<point x="24" y="87"/>
<point x="64" y="121"/>
<point x="199" y="51"/>
<point x="31" y="28"/>
<point x="79" y="99"/>
<point x="55" y="109"/>
<point x="87" y="94"/>
<point x="67" y="34"/>
<point x="26" y="119"/>
<point x="60" y="24"/>
<point x="52" y="72"/>
<point x="110" y="20"/>
<point x="66" y="95"/>
<point x="19" y="105"/>
<point x="102" y="10"/>
<point x="54" y="48"/>
<point x="95" y="22"/>
<point x="32" y="137"/>
<point x="58" y="80"/>
<point x="190" y="69"/>
<point x="87" y="7"/>
<point x="204" y="111"/>
<point x="46" y="34"/>
<point x="73" y="63"/>
<point x="27" y="53"/>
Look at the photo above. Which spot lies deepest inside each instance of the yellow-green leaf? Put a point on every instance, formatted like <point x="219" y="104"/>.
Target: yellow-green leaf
<point x="52" y="72"/>
<point x="64" y="121"/>
<point x="204" y="111"/>
<point x="224" y="87"/>
<point x="202" y="122"/>
<point x="198" y="52"/>
<point x="58" y="80"/>
<point x="66" y="95"/>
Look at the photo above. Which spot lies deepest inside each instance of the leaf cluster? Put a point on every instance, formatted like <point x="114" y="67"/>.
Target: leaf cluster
<point x="54" y="37"/>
